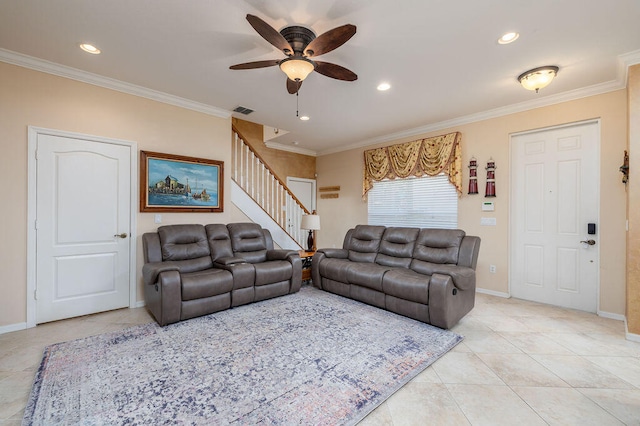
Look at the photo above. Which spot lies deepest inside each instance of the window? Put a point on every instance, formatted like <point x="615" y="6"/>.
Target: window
<point x="425" y="202"/>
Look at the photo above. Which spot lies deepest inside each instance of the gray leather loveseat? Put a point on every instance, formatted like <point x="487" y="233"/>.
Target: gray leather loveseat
<point x="194" y="270"/>
<point x="425" y="274"/>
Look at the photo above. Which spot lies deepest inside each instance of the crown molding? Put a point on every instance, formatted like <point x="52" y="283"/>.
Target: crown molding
<point x="48" y="67"/>
<point x="297" y="150"/>
<point x="571" y="95"/>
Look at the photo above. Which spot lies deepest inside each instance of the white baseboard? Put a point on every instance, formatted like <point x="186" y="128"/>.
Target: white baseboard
<point x="493" y="293"/>
<point x="13" y="327"/>
<point x="610" y="315"/>
<point x="140" y="304"/>
<point x="630" y="336"/>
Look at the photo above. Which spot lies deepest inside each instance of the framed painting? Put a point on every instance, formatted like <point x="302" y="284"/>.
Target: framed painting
<point x="175" y="183"/>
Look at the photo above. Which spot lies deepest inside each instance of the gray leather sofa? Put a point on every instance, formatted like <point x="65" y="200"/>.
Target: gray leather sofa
<point x="194" y="270"/>
<point x="425" y="274"/>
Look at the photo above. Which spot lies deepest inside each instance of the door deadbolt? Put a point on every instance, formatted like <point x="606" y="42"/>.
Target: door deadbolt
<point x="589" y="242"/>
<point x="124" y="235"/>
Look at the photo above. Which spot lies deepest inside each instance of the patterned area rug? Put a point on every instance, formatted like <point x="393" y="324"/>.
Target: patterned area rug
<point x="307" y="358"/>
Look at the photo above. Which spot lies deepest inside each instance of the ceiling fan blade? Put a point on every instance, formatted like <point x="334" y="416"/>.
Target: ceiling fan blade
<point x="256" y="64"/>
<point x="330" y="40"/>
<point x="293" y="86"/>
<point x="335" y="71"/>
<point x="270" y="34"/>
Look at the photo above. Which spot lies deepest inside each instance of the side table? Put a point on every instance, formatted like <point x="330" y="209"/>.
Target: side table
<point x="306" y="257"/>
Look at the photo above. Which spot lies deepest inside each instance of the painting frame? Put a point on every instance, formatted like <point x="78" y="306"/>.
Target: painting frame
<point x="171" y="194"/>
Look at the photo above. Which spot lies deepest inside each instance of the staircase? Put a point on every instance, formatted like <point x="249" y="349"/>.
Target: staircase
<point x="263" y="197"/>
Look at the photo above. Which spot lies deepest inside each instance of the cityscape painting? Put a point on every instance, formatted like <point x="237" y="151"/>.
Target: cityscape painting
<point x="175" y="183"/>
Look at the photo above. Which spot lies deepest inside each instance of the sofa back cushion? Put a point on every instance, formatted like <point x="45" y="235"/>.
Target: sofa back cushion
<point x="396" y="247"/>
<point x="219" y="241"/>
<point x="438" y="245"/>
<point x="248" y="241"/>
<point x="364" y="243"/>
<point x="186" y="245"/>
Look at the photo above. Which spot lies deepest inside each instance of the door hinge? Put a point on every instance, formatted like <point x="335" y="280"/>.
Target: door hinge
<point x="35" y="294"/>
<point x="35" y="225"/>
<point x="36" y="154"/>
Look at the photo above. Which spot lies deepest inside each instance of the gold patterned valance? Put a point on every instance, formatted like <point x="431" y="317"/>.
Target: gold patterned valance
<point x="430" y="156"/>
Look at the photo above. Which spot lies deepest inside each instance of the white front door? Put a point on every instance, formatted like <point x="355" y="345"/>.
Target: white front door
<point x="83" y="211"/>
<point x="554" y="196"/>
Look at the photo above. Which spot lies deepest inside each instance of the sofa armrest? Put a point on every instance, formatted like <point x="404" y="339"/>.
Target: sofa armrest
<point x="150" y="271"/>
<point x="335" y="253"/>
<point x="164" y="299"/>
<point x="281" y="254"/>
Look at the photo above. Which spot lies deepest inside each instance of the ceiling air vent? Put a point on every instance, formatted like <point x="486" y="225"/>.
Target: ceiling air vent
<point x="243" y="110"/>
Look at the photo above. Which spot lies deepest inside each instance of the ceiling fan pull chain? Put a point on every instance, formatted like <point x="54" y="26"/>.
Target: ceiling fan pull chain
<point x="297" y="107"/>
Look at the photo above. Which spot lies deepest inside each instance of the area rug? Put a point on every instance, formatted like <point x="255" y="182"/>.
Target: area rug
<point x="301" y="359"/>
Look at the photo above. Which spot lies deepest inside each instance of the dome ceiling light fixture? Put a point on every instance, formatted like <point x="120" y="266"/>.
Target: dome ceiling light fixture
<point x="538" y="78"/>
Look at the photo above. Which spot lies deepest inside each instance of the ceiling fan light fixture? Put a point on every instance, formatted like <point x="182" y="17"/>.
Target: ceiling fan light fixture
<point x="297" y="69"/>
<point x="538" y="78"/>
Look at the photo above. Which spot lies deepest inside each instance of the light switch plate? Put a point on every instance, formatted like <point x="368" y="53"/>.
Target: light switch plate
<point x="157" y="218"/>
<point x="488" y="221"/>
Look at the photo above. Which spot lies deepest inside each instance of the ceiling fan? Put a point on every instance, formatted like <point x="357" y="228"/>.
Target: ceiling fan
<point x="300" y="44"/>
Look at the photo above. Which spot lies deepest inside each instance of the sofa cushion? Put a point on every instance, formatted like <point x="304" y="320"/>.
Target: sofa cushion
<point x="438" y="245"/>
<point x="396" y="247"/>
<point x="366" y="275"/>
<point x="273" y="272"/>
<point x="364" y="243"/>
<point x="212" y="282"/>
<point x="407" y="284"/>
<point x="334" y="269"/>
<point x="248" y="241"/>
<point x="183" y="242"/>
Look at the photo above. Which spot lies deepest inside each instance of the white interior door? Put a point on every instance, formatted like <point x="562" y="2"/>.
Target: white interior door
<point x="83" y="210"/>
<point x="304" y="190"/>
<point x="555" y="195"/>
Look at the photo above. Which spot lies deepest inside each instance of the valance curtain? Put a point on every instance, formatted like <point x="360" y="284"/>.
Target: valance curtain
<point x="430" y="156"/>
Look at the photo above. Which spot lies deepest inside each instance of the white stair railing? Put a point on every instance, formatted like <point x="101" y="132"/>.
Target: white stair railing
<point x="255" y="178"/>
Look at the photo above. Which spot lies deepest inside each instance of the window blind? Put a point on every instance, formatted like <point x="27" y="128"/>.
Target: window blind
<point x="424" y="202"/>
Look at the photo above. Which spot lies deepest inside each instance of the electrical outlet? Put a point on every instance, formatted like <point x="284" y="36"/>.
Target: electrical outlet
<point x="492" y="269"/>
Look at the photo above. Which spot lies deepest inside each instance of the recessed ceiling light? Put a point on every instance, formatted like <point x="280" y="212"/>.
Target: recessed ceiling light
<point x="90" y="48"/>
<point x="508" y="38"/>
<point x="384" y="86"/>
<point x="304" y="118"/>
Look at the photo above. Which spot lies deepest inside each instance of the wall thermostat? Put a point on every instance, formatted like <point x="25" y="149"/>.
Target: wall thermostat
<point x="487" y="206"/>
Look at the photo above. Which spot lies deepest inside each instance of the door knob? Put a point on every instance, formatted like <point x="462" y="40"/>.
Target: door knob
<point x="590" y="242"/>
<point x="124" y="235"/>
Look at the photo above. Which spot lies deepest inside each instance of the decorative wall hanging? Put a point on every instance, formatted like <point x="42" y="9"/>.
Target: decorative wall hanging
<point x="624" y="169"/>
<point x="473" y="176"/>
<point x="174" y="183"/>
<point x="490" y="189"/>
<point x="431" y="156"/>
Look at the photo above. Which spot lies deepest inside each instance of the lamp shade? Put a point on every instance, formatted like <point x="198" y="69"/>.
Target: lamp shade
<point x="310" y="222"/>
<point x="538" y="78"/>
<point x="297" y="69"/>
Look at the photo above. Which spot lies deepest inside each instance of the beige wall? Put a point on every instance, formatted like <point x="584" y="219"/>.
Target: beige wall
<point x="490" y="138"/>
<point x="633" y="253"/>
<point x="33" y="98"/>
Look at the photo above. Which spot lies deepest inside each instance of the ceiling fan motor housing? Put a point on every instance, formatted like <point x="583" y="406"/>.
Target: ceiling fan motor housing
<point x="298" y="37"/>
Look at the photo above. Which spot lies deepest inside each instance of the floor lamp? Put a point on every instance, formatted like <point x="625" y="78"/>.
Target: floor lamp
<point x="312" y="223"/>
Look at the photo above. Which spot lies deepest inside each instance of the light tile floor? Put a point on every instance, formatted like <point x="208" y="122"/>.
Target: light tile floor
<point x="521" y="363"/>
